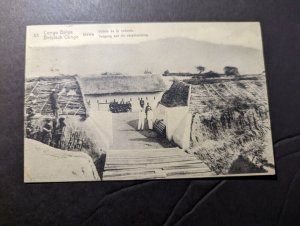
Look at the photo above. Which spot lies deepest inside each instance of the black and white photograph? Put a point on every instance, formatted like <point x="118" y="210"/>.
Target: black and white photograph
<point x="143" y="101"/>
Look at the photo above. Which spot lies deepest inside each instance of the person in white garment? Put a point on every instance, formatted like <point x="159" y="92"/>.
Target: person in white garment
<point x="150" y="118"/>
<point x="142" y="116"/>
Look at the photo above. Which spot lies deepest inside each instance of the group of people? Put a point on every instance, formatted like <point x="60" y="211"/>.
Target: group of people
<point x="121" y="106"/>
<point x="30" y="129"/>
<point x="145" y="112"/>
<point x="53" y="129"/>
<point x="53" y="132"/>
<point x="127" y="102"/>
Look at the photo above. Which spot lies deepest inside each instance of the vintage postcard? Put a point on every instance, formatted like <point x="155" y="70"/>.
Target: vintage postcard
<point x="145" y="101"/>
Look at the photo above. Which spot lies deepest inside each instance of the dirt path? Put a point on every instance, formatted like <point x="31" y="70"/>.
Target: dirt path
<point x="126" y="135"/>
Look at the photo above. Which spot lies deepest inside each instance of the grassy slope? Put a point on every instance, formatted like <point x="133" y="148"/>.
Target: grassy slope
<point x="176" y="96"/>
<point x="230" y="122"/>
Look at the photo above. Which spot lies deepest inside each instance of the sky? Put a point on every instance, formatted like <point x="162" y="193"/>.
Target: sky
<point x="247" y="34"/>
<point x="77" y="48"/>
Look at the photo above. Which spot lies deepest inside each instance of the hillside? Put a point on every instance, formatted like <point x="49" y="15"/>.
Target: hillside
<point x="174" y="54"/>
<point x="230" y="128"/>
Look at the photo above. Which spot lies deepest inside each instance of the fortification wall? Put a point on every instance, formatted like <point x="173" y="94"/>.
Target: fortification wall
<point x="181" y="135"/>
<point x="178" y="123"/>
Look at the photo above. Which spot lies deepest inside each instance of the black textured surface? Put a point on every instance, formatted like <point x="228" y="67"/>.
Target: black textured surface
<point x="243" y="201"/>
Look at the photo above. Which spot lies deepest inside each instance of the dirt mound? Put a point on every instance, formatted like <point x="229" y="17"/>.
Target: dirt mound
<point x="43" y="163"/>
<point x="177" y="95"/>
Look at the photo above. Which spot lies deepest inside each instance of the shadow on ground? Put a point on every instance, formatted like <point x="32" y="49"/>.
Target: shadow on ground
<point x="241" y="165"/>
<point x="150" y="135"/>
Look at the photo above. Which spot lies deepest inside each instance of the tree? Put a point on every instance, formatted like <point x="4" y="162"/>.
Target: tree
<point x="200" y="69"/>
<point x="166" y="73"/>
<point x="229" y="70"/>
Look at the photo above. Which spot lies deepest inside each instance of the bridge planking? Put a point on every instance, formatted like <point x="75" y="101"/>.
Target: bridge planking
<point x="165" y="163"/>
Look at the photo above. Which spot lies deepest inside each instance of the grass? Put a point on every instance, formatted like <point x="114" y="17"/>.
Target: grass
<point x="230" y="135"/>
<point x="177" y="95"/>
<point x="77" y="137"/>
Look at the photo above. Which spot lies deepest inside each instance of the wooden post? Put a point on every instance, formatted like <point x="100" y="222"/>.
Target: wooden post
<point x="78" y="110"/>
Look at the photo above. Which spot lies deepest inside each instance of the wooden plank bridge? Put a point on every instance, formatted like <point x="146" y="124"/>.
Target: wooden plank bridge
<point x="144" y="164"/>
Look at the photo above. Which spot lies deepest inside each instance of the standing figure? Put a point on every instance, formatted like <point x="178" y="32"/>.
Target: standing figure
<point x="262" y="112"/>
<point x="225" y="120"/>
<point x="100" y="163"/>
<point x="89" y="103"/>
<point x="228" y="119"/>
<point x="29" y="130"/>
<point x="214" y="126"/>
<point x="53" y="132"/>
<point x="150" y="118"/>
<point x="148" y="108"/>
<point x="30" y="113"/>
<point x="129" y="106"/>
<point x="236" y="119"/>
<point x="60" y="133"/>
<point x="54" y="103"/>
<point x="142" y="103"/>
<point x="99" y="103"/>
<point x="29" y="124"/>
<point x="251" y="119"/>
<point x="142" y="117"/>
<point x="47" y="132"/>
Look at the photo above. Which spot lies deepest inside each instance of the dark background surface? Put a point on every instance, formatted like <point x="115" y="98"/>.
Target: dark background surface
<point x="240" y="201"/>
